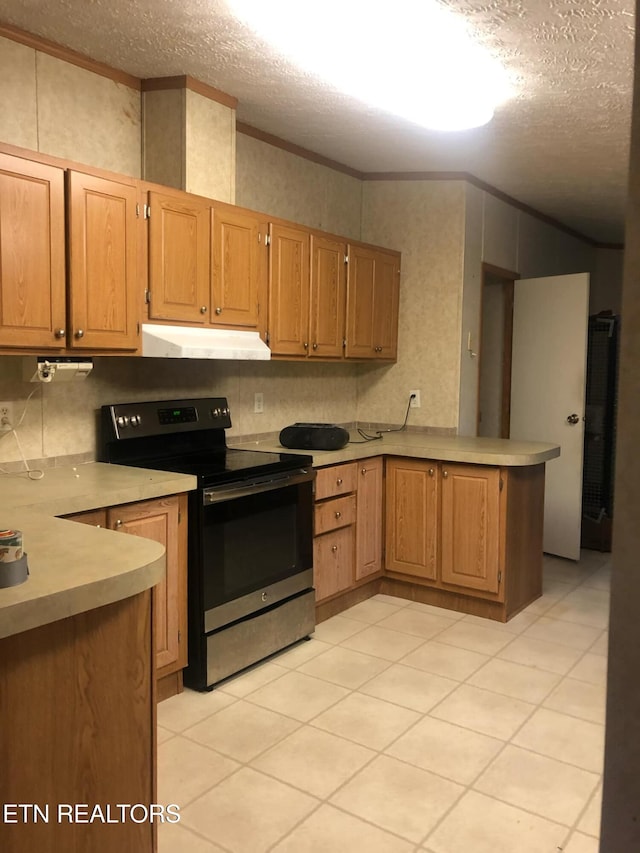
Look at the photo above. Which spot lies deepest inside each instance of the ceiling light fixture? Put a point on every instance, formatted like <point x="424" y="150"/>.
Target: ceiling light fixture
<point x="411" y="58"/>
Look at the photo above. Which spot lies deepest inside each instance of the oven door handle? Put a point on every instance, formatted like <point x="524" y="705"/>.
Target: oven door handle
<point x="218" y="494"/>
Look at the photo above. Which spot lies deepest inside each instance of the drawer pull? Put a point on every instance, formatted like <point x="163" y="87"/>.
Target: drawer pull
<point x="59" y="333"/>
<point x="334" y="548"/>
<point x="339" y="481"/>
<point x="119" y="523"/>
<point x="338" y="514"/>
<point x="431" y="472"/>
<point x="363" y="471"/>
<point x="445" y="474"/>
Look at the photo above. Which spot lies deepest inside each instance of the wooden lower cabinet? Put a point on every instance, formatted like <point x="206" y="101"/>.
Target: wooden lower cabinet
<point x="348" y="526"/>
<point x="412" y="517"/>
<point x="79" y="727"/>
<point x="467" y="537"/>
<point x="333" y="562"/>
<point x="164" y="520"/>
<point x="470" y="527"/>
<point x="369" y="515"/>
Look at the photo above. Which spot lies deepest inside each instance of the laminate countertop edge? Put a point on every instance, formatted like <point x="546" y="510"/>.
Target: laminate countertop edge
<point x="475" y="451"/>
<point x="75" y="567"/>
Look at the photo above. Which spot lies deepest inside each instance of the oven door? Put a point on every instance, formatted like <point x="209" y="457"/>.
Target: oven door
<point x="255" y="545"/>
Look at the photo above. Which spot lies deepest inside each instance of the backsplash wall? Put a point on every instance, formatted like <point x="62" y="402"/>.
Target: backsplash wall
<point x="61" y="417"/>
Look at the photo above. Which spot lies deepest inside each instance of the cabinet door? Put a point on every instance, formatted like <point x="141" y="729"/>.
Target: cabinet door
<point x="328" y="297"/>
<point x="470" y="526"/>
<point x="103" y="281"/>
<point x="369" y="518"/>
<point x="288" y="290"/>
<point x="239" y="281"/>
<point x="333" y="555"/>
<point x="412" y="513"/>
<point x="385" y="305"/>
<point x="163" y="520"/>
<point x="360" y="302"/>
<point x="32" y="254"/>
<point x="179" y="246"/>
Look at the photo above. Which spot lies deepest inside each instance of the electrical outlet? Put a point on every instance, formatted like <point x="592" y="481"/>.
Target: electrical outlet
<point x="258" y="403"/>
<point x="6" y="417"/>
<point x="415" y="400"/>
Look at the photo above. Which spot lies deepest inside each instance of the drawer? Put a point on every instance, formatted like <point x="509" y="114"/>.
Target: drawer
<point x="336" y="480"/>
<point x="333" y="514"/>
<point x="333" y="562"/>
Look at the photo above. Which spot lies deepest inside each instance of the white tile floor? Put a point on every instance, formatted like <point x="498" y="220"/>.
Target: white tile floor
<point x="403" y="728"/>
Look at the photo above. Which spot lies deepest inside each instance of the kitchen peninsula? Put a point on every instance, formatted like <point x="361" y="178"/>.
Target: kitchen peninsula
<point x="450" y="521"/>
<point x="77" y="674"/>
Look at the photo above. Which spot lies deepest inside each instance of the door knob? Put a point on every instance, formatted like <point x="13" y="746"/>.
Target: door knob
<point x="573" y="419"/>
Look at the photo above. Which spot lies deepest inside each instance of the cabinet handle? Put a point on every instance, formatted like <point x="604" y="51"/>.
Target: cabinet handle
<point x="315" y="346"/>
<point x="334" y="548"/>
<point x="363" y="471"/>
<point x="59" y="333"/>
<point x="306" y="345"/>
<point x="339" y="481"/>
<point x="203" y="310"/>
<point x="80" y="333"/>
<point x="218" y="311"/>
<point x="445" y="474"/>
<point x="431" y="472"/>
<point x="338" y="514"/>
<point x="119" y="523"/>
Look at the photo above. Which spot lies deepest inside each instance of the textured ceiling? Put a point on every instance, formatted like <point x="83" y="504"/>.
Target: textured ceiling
<point x="560" y="145"/>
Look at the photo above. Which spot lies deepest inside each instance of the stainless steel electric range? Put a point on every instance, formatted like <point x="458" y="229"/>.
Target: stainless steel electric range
<point x="250" y="575"/>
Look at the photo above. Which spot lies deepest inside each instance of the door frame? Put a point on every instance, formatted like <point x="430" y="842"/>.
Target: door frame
<point x="506" y="279"/>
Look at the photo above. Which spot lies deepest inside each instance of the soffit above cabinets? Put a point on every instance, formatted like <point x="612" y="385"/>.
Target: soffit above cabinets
<point x="561" y="145"/>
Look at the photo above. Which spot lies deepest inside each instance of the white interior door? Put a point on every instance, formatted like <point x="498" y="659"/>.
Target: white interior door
<point x="548" y="372"/>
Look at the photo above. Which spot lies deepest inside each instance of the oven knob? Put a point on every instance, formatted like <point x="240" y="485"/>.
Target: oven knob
<point x="134" y="420"/>
<point x="225" y="411"/>
<point x="120" y="421"/>
<point x="216" y="413"/>
<point x="264" y="596"/>
<point x="123" y="421"/>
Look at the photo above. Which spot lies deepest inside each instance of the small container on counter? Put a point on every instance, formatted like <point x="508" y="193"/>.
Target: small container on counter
<point x="13" y="560"/>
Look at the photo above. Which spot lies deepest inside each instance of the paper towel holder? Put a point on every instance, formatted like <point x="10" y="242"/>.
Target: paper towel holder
<point x="56" y="369"/>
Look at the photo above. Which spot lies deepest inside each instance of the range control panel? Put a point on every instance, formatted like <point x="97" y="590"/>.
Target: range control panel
<point x="164" y="417"/>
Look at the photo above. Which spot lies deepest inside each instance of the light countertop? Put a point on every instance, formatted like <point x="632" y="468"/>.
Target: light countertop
<point x="75" y="567"/>
<point x="478" y="451"/>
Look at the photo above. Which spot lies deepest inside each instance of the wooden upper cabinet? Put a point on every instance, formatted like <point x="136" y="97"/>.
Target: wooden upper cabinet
<point x="179" y="248"/>
<point x="385" y="307"/>
<point x="32" y="254"/>
<point x="372" y="303"/>
<point x="103" y="281"/>
<point x="288" y="290"/>
<point x="328" y="297"/>
<point x="471" y="526"/>
<point x="239" y="268"/>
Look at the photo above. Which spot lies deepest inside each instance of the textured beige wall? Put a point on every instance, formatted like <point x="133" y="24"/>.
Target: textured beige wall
<point x="425" y="220"/>
<point x="210" y="148"/>
<point x="61" y="417"/>
<point x="288" y="186"/>
<point x="18" y="113"/>
<point x="490" y="388"/>
<point x="499" y="233"/>
<point x="471" y="309"/>
<point x="163" y="137"/>
<point x="606" y="281"/>
<point x="545" y="250"/>
<point x="85" y="117"/>
<point x="57" y="108"/>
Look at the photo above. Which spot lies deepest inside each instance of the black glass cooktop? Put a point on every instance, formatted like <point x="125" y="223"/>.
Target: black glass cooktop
<point x="227" y="465"/>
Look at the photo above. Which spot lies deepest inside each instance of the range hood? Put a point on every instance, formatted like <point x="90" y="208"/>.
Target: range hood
<point x="189" y="342"/>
